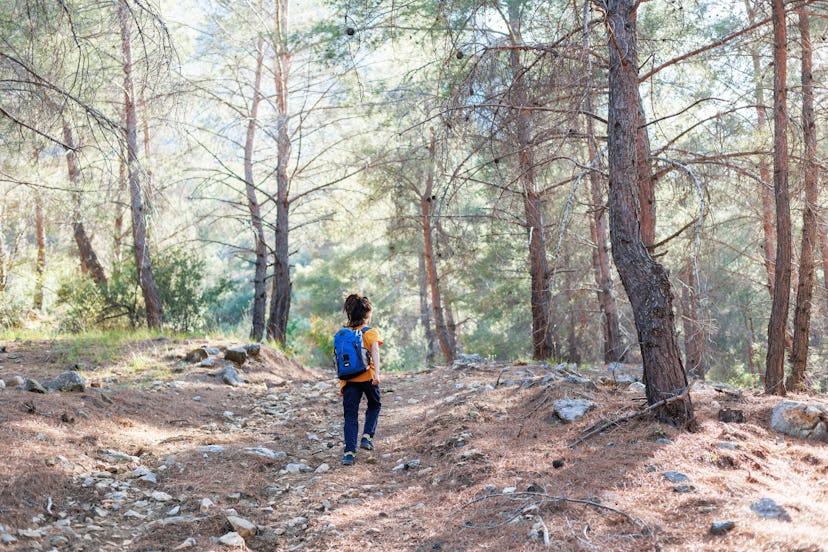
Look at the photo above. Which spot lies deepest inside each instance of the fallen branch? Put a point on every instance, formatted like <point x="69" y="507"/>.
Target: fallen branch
<point x="647" y="410"/>
<point x="554" y="498"/>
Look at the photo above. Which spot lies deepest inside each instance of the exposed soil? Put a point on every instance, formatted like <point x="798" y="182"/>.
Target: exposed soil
<point x="467" y="458"/>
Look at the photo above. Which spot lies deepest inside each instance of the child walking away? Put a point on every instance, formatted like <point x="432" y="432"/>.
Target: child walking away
<point x="358" y="365"/>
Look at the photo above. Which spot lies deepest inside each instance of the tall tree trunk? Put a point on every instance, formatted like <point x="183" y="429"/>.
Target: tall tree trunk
<point x="572" y="350"/>
<point x="427" y="226"/>
<point x="257" y="331"/>
<point x="693" y="337"/>
<point x="804" y="294"/>
<point x="646" y="179"/>
<point x="88" y="258"/>
<point x="425" y="315"/>
<point x="40" y="263"/>
<point x="823" y="250"/>
<point x="775" y="364"/>
<point x="281" y="286"/>
<point x="768" y="232"/>
<point x="646" y="281"/>
<point x="541" y="299"/>
<point x="146" y="280"/>
<point x="147" y="180"/>
<point x="118" y="238"/>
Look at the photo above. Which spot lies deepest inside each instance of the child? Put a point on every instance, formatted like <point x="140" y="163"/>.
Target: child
<point x="358" y="308"/>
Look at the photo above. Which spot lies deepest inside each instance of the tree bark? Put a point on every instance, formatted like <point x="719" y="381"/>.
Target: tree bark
<point x="426" y="218"/>
<point x="646" y="180"/>
<point x="40" y="263"/>
<point x="804" y="294"/>
<point x="146" y="280"/>
<point x="775" y="364"/>
<point x="425" y="315"/>
<point x="645" y="281"/>
<point x="281" y="285"/>
<point x="118" y="238"/>
<point x="88" y="259"/>
<point x="541" y="298"/>
<point x="257" y="331"/>
<point x="823" y="250"/>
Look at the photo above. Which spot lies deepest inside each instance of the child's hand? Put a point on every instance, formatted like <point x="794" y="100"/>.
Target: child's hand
<point x="375" y="381"/>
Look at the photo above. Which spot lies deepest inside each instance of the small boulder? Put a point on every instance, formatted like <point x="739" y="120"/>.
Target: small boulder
<point x="675" y="477"/>
<point x="232" y="539"/>
<point x="253" y="349"/>
<point x="196" y="355"/>
<point x="266" y="453"/>
<point x="2" y="384"/>
<point x="33" y="387"/>
<point x="805" y="421"/>
<point x="721" y="527"/>
<point x="230" y="376"/>
<point x="769" y="509"/>
<point x="637" y="387"/>
<point x="578" y="380"/>
<point x="68" y="382"/>
<point x="15" y="381"/>
<point x="244" y="528"/>
<point x="236" y="354"/>
<point x="570" y="410"/>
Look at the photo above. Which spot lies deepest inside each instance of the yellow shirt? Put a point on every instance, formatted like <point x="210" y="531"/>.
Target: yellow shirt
<point x="368" y="339"/>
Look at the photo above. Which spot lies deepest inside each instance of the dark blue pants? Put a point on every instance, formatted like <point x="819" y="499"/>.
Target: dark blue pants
<point x="351" y="397"/>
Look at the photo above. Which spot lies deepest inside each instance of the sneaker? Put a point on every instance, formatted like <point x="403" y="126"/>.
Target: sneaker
<point x="348" y="459"/>
<point x="367" y="443"/>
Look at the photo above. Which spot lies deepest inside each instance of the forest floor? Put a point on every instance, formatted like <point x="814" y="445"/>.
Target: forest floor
<point x="156" y="454"/>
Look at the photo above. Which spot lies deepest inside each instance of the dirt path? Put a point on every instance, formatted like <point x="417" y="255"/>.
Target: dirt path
<point x="163" y="456"/>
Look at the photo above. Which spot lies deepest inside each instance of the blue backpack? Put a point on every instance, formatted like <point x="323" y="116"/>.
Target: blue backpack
<point x="351" y="356"/>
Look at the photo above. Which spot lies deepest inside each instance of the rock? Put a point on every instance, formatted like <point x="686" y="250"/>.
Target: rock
<point x="30" y="533"/>
<point x="637" y="387"/>
<point x="174" y="511"/>
<point x="189" y="543"/>
<point x="68" y="382"/>
<point x="266" y="453"/>
<point x="145" y="476"/>
<point x="232" y="539"/>
<point x="33" y="387"/>
<point x="570" y="410"/>
<point x="5" y="538"/>
<point x="253" y="349"/>
<point x="805" y="421"/>
<point x="205" y="505"/>
<point x="230" y="376"/>
<point x="214" y="449"/>
<point x="236" y="354"/>
<point x="578" y="380"/>
<point x="2" y="348"/>
<point x="675" y="477"/>
<point x="159" y="496"/>
<point x="769" y="509"/>
<point x="323" y="468"/>
<point x="241" y="526"/>
<point x="729" y="416"/>
<point x="14" y="381"/>
<point x="684" y="489"/>
<point x="464" y="360"/>
<point x="721" y="527"/>
<point x="298" y="468"/>
<point x="208" y="363"/>
<point x="2" y="384"/>
<point x="118" y="457"/>
<point x="196" y="355"/>
<point x="557" y="464"/>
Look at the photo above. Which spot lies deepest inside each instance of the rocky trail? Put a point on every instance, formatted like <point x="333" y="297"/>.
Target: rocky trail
<point x="208" y="446"/>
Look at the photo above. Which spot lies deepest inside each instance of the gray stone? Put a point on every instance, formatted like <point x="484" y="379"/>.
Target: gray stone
<point x="33" y="387"/>
<point x="721" y="527"/>
<point x="298" y="468"/>
<point x="14" y="381"/>
<point x="675" y="477"/>
<point x="570" y="410"/>
<point x="6" y="538"/>
<point x="230" y="376"/>
<point x="637" y="387"/>
<point x="684" y="489"/>
<point x="208" y="362"/>
<point x="196" y="355"/>
<point x="188" y="543"/>
<point x="241" y="526"/>
<point x="465" y="360"/>
<point x="214" y="449"/>
<point x="805" y="421"/>
<point x="68" y="382"/>
<point x="769" y="509"/>
<point x="266" y="453"/>
<point x="253" y="349"/>
<point x="578" y="380"/>
<point x="236" y="354"/>
<point x="212" y="350"/>
<point x="2" y="384"/>
<point x="160" y="496"/>
<point x="663" y="441"/>
<point x="145" y="476"/>
<point x="118" y="457"/>
<point x="232" y="539"/>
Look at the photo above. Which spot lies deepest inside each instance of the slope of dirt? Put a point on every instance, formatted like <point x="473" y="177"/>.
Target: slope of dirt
<point x="160" y="453"/>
